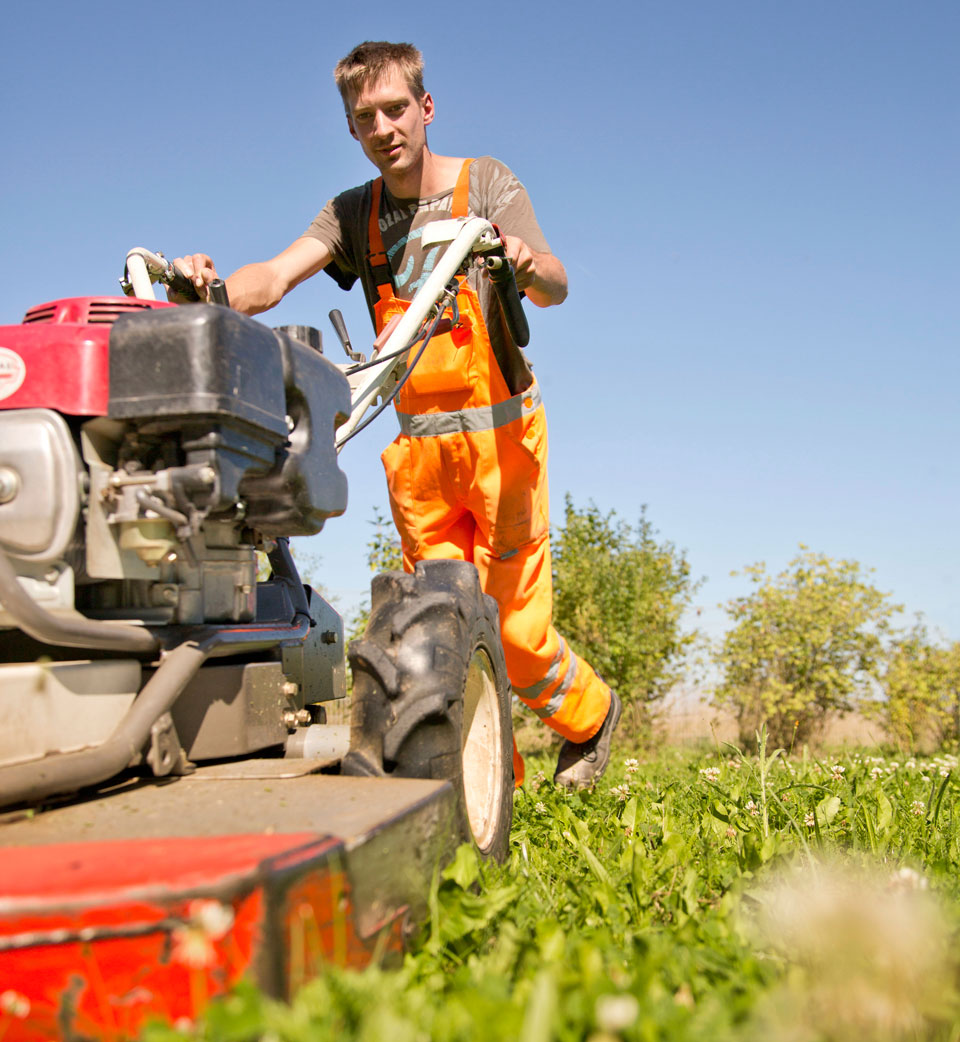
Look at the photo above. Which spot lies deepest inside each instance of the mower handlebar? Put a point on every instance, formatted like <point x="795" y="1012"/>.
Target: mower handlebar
<point x="180" y="284"/>
<point x="504" y="280"/>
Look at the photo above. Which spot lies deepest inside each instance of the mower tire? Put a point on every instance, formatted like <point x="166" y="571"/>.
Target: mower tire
<point x="431" y="697"/>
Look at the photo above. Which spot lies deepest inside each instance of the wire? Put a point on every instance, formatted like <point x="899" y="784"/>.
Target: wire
<point x="393" y="394"/>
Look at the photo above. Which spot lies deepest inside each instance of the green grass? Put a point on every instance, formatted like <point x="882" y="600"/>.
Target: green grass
<point x="691" y="896"/>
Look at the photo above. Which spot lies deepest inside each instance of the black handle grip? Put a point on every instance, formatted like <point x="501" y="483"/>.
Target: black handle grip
<point x="180" y="284"/>
<point x="510" y="303"/>
<point x="218" y="293"/>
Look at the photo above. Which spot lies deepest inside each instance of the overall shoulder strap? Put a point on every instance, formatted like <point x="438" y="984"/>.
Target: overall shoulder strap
<point x="461" y="193"/>
<point x="376" y="255"/>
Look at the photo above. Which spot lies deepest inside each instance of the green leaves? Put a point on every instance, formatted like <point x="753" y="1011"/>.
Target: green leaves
<point x="803" y="643"/>
<point x="619" y="595"/>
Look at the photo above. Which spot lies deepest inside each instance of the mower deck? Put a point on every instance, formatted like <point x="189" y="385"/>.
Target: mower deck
<point x="151" y="898"/>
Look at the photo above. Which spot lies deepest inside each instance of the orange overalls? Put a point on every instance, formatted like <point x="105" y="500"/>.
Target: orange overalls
<point x="467" y="477"/>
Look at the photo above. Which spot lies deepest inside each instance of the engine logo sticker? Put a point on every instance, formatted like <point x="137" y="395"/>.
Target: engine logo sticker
<point x="13" y="371"/>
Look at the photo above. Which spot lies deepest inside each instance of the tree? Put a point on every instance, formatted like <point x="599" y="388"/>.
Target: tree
<point x="803" y="643"/>
<point x="921" y="688"/>
<point x="618" y="598"/>
<point x="384" y="554"/>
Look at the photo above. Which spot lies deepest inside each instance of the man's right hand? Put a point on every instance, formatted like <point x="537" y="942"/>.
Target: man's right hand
<point x="200" y="270"/>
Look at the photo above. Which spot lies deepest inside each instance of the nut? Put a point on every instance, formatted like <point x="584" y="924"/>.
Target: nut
<point x="9" y="484"/>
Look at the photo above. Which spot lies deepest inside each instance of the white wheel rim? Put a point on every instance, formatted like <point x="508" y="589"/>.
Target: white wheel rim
<point x="481" y="750"/>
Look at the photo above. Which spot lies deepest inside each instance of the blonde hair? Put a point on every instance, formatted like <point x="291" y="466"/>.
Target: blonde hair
<point x="371" y="60"/>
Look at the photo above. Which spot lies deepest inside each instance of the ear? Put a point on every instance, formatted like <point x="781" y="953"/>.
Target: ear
<point x="426" y="104"/>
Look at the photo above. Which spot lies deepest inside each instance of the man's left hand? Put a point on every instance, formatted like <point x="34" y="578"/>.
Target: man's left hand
<point x="540" y="275"/>
<point x="523" y="259"/>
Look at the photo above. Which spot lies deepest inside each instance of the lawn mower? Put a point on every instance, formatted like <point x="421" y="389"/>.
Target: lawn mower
<point x="175" y="811"/>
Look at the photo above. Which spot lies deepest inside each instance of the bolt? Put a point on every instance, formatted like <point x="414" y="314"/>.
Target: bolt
<point x="51" y="575"/>
<point x="289" y="719"/>
<point x="9" y="484"/>
<point x="329" y="636"/>
<point x="290" y="688"/>
<point x="303" y="717"/>
<point x="207" y="475"/>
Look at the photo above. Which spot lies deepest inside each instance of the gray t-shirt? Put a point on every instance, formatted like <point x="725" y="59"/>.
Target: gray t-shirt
<point x="495" y="193"/>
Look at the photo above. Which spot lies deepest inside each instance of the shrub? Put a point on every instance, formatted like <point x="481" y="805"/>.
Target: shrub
<point x="618" y="598"/>
<point x="803" y="643"/>
<point x="921" y="688"/>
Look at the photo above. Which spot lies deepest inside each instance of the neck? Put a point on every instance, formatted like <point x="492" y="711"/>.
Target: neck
<point x="432" y="175"/>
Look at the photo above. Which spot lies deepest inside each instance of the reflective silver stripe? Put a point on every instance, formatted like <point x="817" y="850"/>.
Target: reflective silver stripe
<point x="553" y="706"/>
<point x="480" y="418"/>
<point x="530" y="693"/>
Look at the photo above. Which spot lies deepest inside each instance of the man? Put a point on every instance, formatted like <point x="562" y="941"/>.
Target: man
<point x="467" y="473"/>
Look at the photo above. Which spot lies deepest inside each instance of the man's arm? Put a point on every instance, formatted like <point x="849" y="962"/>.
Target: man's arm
<point x="258" y="287"/>
<point x="540" y="275"/>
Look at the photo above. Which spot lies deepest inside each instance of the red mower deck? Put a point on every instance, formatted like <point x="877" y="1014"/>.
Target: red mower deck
<point x="153" y="899"/>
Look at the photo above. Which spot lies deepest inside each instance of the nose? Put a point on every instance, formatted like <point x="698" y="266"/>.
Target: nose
<point x="381" y="125"/>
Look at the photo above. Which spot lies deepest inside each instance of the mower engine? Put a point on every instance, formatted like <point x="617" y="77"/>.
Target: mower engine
<point x="146" y="453"/>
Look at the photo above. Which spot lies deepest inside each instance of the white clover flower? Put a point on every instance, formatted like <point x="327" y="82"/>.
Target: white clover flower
<point x="876" y="772"/>
<point x="622" y="792"/>
<point x="731" y="832"/>
<point x="944" y="772"/>
<point x="614" y="1013"/>
<point x="919" y="808"/>
<point x="540" y="807"/>
<point x="214" y="918"/>
<point x="809" y="820"/>
<point x="14" y="1004"/>
<point x="734" y="764"/>
<point x="193" y="941"/>
<point x="631" y="766"/>
<point x="911" y="765"/>
<point x="711" y="773"/>
<point x="907" y="879"/>
<point x="753" y="808"/>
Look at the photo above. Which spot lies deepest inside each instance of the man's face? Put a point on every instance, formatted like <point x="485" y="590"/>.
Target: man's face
<point x="390" y="123"/>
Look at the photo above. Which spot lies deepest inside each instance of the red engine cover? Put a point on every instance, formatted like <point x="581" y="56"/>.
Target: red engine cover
<point x="57" y="358"/>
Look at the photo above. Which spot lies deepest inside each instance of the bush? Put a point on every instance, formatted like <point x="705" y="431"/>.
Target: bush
<point x="921" y="688"/>
<point x="804" y="643"/>
<point x="618" y="598"/>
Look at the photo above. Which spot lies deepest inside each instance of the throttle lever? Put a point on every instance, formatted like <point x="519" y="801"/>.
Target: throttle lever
<point x="340" y="328"/>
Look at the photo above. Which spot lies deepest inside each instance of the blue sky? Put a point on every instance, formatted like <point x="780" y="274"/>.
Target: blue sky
<point x="756" y="203"/>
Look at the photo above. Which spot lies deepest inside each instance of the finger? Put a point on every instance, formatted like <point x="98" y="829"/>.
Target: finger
<point x="185" y="264"/>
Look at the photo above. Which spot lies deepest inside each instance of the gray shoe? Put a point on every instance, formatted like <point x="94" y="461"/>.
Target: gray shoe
<point x="580" y="764"/>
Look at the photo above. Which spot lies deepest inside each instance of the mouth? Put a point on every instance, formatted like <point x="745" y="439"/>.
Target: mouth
<point x="391" y="151"/>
